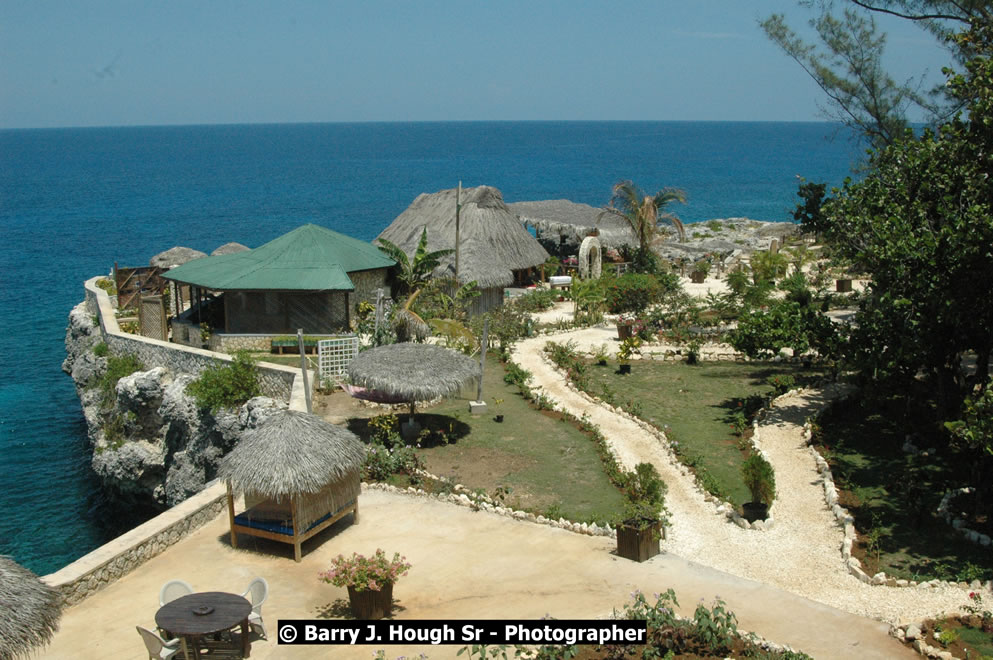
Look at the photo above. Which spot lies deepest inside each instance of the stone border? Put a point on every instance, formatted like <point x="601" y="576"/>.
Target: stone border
<point x="721" y="507"/>
<point x="958" y="523"/>
<point x="277" y="381"/>
<point x="112" y="561"/>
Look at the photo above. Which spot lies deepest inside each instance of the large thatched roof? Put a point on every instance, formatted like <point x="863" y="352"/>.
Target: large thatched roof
<point x="29" y="610"/>
<point x="493" y="241"/>
<point x="574" y="221"/>
<point x="291" y="453"/>
<point x="416" y="372"/>
<point x="175" y="256"/>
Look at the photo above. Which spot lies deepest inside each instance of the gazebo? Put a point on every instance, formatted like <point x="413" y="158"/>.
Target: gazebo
<point x="495" y="249"/>
<point x="31" y="610"/>
<point x="299" y="474"/>
<point x="413" y="372"/>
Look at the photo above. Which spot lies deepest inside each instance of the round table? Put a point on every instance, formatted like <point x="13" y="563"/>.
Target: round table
<point x="185" y="617"/>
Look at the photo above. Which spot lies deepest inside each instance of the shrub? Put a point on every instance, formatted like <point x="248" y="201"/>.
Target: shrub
<point x="117" y="368"/>
<point x="107" y="285"/>
<point x="645" y="492"/>
<point x="227" y="386"/>
<point x="537" y="300"/>
<point x="632" y="292"/>
<point x="101" y="349"/>
<point x="759" y="478"/>
<point x="782" y="383"/>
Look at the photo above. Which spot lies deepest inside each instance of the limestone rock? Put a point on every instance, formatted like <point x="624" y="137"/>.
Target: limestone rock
<point x="913" y="632"/>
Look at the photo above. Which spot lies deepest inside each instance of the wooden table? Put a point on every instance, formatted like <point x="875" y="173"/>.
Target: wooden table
<point x="181" y="618"/>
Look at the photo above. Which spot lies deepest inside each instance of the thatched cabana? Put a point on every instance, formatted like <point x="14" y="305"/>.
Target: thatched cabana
<point x="230" y="248"/>
<point x="570" y="222"/>
<point x="413" y="372"/>
<point x="175" y="256"/>
<point x="299" y="475"/>
<point x="30" y="610"/>
<point x="495" y="249"/>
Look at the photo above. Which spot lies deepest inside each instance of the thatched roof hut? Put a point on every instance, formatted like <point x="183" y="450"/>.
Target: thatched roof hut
<point x="415" y="372"/>
<point x="230" y="248"/>
<point x="573" y="222"/>
<point x="493" y="243"/>
<point x="299" y="475"/>
<point x="176" y="256"/>
<point x="30" y="610"/>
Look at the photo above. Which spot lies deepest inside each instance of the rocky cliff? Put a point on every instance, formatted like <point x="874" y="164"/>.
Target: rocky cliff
<point x="151" y="442"/>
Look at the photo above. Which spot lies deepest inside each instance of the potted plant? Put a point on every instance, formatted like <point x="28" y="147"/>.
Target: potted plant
<point x="643" y="526"/>
<point x="760" y="480"/>
<point x="624" y="326"/>
<point x="600" y="354"/>
<point x="369" y="581"/>
<point x="700" y="270"/>
<point x="629" y="347"/>
<point x="499" y="416"/>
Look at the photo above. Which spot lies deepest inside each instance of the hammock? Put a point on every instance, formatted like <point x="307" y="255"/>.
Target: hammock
<point x="372" y="395"/>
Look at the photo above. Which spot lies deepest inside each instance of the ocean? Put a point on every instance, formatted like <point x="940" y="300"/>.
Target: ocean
<point x="75" y="201"/>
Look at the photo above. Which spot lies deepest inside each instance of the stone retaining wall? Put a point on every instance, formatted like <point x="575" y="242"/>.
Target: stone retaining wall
<point x="115" y="559"/>
<point x="230" y="343"/>
<point x="276" y="381"/>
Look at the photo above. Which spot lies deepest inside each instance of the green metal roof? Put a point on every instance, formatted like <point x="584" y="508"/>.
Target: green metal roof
<point x="309" y="258"/>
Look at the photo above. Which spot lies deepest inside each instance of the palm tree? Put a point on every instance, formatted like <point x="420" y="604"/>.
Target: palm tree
<point x="645" y="212"/>
<point x="413" y="273"/>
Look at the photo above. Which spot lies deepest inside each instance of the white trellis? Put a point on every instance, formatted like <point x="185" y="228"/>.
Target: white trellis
<point x="590" y="263"/>
<point x="333" y="356"/>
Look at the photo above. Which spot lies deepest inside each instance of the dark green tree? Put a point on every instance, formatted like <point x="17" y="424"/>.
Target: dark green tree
<point x="413" y="273"/>
<point x="645" y="213"/>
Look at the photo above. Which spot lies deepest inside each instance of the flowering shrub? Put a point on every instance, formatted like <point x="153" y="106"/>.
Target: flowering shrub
<point x="632" y="293"/>
<point x="361" y="572"/>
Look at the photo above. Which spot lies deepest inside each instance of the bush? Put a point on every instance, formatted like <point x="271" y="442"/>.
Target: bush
<point x="117" y="368"/>
<point x="101" y="349"/>
<point x="759" y="478"/>
<point x="227" y="386"/>
<point x="632" y="292"/>
<point x="782" y="383"/>
<point x="107" y="285"/>
<point x="537" y="300"/>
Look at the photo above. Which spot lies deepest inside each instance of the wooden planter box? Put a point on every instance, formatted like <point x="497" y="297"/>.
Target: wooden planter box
<point x="698" y="278"/>
<point x="843" y="286"/>
<point x="371" y="605"/>
<point x="639" y="544"/>
<point x="624" y="331"/>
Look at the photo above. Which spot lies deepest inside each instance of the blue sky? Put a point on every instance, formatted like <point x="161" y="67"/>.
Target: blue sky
<point x="103" y="63"/>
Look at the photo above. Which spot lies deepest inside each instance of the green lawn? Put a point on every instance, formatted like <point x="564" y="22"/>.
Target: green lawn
<point x="893" y="496"/>
<point x="547" y="463"/>
<point x="695" y="402"/>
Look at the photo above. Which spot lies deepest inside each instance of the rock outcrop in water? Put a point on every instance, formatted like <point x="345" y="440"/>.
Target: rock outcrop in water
<point x="151" y="443"/>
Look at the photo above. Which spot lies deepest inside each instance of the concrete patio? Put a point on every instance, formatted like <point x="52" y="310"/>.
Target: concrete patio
<point x="466" y="565"/>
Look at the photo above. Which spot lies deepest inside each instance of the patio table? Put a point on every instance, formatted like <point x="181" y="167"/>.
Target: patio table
<point x="202" y="614"/>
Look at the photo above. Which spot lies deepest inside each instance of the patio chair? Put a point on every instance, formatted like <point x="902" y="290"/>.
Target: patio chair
<point x="257" y="592"/>
<point x="158" y="648"/>
<point x="172" y="590"/>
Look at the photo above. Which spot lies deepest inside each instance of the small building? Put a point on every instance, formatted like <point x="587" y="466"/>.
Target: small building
<point x="495" y="250"/>
<point x="310" y="278"/>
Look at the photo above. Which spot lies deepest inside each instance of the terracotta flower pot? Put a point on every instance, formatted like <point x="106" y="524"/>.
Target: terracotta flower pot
<point x="371" y="605"/>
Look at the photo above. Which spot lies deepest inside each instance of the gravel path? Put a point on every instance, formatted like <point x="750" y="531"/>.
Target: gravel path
<point x="800" y="554"/>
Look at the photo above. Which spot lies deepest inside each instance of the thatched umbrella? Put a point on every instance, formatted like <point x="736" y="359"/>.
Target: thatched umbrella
<point x="175" y="256"/>
<point x="416" y="372"/>
<point x="30" y="610"/>
<point x="574" y="221"/>
<point x="230" y="248"/>
<point x="297" y="460"/>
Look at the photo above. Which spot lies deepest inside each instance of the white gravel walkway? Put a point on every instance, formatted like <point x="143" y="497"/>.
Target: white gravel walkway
<point x="800" y="554"/>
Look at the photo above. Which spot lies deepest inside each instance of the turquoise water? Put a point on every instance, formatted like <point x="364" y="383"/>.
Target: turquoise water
<point x="74" y="201"/>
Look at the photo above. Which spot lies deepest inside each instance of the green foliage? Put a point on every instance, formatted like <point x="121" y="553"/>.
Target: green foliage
<point x="785" y="325"/>
<point x="226" y="385"/>
<point x="768" y="266"/>
<point x="107" y="285"/>
<point x="101" y="349"/>
<point x="810" y="212"/>
<point x="516" y="375"/>
<point x="759" y="478"/>
<point x="629" y="348"/>
<point x="644" y="212"/>
<point x="536" y="300"/>
<point x="738" y="281"/>
<point x="702" y="267"/>
<point x="632" y="292"/>
<point x="384" y="461"/>
<point x="413" y="273"/>
<point x="645" y="491"/>
<point x="715" y="627"/>
<point x="782" y="383"/>
<point x="508" y="323"/>
<point x="588" y="296"/>
<point x="117" y="368"/>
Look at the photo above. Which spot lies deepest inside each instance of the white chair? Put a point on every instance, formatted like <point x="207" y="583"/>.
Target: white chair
<point x="257" y="592"/>
<point x="172" y="590"/>
<point x="158" y="648"/>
